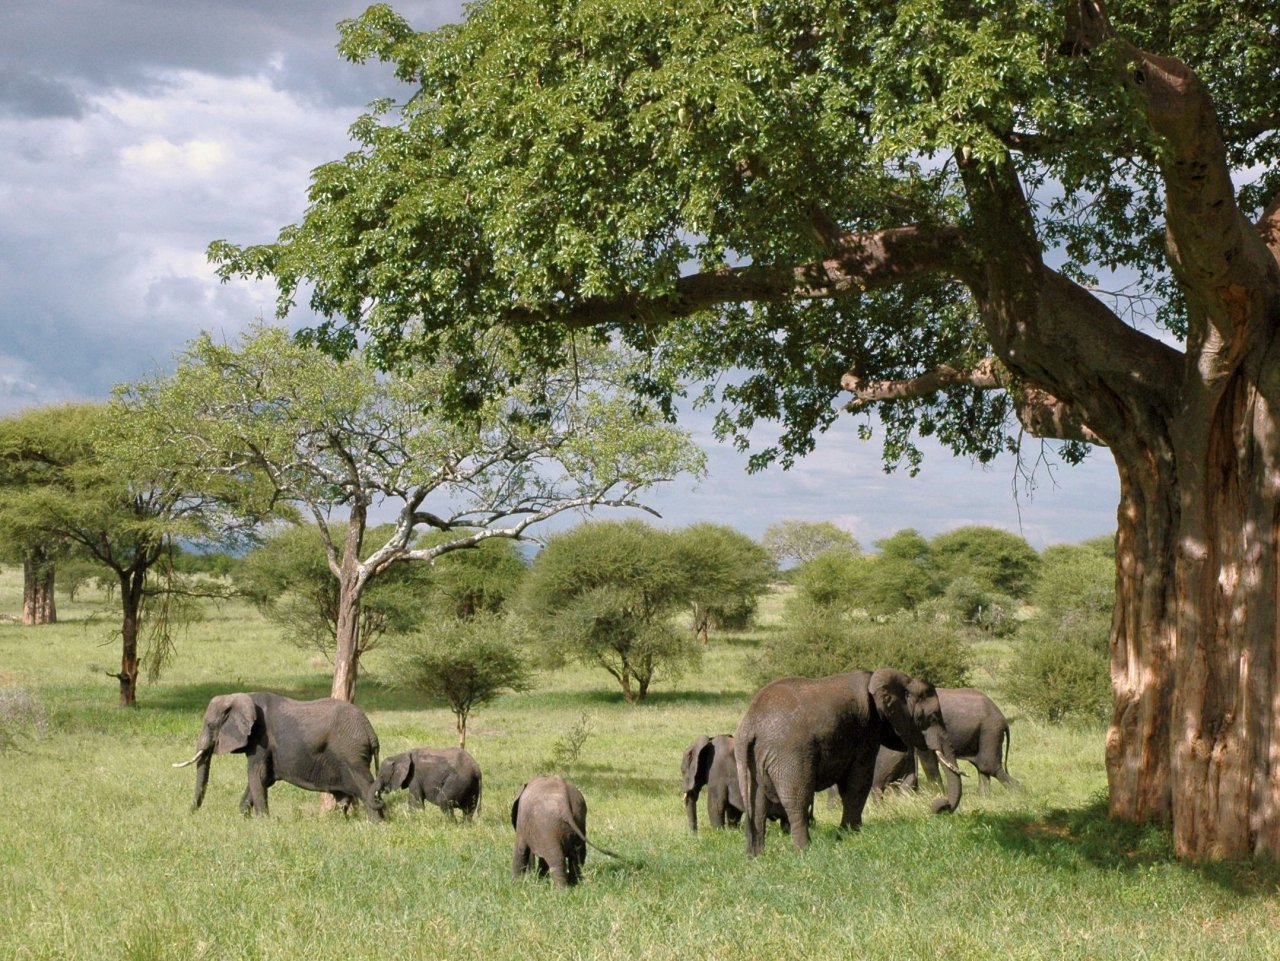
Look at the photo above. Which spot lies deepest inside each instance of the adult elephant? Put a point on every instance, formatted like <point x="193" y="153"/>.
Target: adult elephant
<point x="325" y="745"/>
<point x="898" y="768"/>
<point x="710" y="763"/>
<point x="800" y="735"/>
<point x="447" y="777"/>
<point x="979" y="734"/>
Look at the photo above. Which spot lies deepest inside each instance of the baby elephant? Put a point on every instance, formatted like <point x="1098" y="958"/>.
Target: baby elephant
<point x="550" y="818"/>
<point x="447" y="777"/>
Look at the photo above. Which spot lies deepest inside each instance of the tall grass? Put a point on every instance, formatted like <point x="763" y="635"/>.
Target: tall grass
<point x="102" y="858"/>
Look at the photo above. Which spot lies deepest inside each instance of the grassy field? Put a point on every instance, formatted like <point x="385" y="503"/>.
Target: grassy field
<point x="101" y="857"/>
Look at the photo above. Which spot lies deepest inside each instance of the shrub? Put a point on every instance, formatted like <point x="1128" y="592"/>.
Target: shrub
<point x="465" y="662"/>
<point x="1003" y="563"/>
<point x="21" y="716"/>
<point x="1061" y="670"/>
<point x="816" y="641"/>
<point x="605" y="594"/>
<point x="969" y="602"/>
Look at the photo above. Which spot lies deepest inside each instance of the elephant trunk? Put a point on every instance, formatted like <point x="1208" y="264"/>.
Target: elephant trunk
<point x="691" y="809"/>
<point x="939" y="742"/>
<point x="202" y="779"/>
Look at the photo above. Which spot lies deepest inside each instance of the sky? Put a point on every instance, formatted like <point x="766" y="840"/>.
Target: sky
<point x="134" y="132"/>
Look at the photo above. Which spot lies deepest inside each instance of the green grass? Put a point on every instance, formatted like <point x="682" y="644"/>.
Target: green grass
<point x="101" y="857"/>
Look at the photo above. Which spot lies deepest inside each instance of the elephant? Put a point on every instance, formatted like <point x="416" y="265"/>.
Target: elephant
<point x="979" y="734"/>
<point x="709" y="762"/>
<point x="897" y="767"/>
<point x="550" y="818"/>
<point x="800" y="735"/>
<point x="324" y="745"/>
<point x="447" y="777"/>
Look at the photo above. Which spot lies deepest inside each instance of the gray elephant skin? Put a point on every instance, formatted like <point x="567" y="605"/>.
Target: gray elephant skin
<point x="550" y="818"/>
<point x="325" y="745"/>
<point x="897" y="768"/>
<point x="447" y="777"/>
<point x="801" y="735"/>
<point x="709" y="763"/>
<point x="979" y="733"/>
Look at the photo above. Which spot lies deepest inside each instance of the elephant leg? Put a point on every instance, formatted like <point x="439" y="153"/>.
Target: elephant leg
<point x="756" y="819"/>
<point x="797" y="808"/>
<point x="691" y="809"/>
<point x="520" y="860"/>
<point x="561" y="869"/>
<point x="256" y="792"/>
<point x="245" y="802"/>
<point x="416" y="796"/>
<point x="732" y="815"/>
<point x="984" y="783"/>
<point x="854" y="793"/>
<point x="1008" y="780"/>
<point x="716" y="802"/>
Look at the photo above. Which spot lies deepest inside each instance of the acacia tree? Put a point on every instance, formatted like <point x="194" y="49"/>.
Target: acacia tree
<point x="93" y="496"/>
<point x="802" y="541"/>
<point x="333" y="440"/>
<point x="918" y="201"/>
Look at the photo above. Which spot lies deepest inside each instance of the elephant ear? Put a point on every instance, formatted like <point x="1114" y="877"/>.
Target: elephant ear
<point x="515" y="805"/>
<point x="237" y="724"/>
<point x="696" y="763"/>
<point x="401" y="770"/>
<point x="888" y="688"/>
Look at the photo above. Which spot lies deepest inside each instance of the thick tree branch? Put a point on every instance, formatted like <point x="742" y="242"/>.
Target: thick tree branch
<point x="862" y="262"/>
<point x="985" y="375"/>
<point x="1042" y="414"/>
<point x="1213" y="249"/>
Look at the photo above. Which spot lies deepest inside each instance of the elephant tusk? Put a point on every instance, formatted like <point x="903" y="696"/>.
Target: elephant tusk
<point x="949" y="766"/>
<point x="195" y="757"/>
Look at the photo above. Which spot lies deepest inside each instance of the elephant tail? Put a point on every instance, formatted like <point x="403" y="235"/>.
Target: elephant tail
<point x="1008" y="738"/>
<point x="748" y="776"/>
<point x="595" y="847"/>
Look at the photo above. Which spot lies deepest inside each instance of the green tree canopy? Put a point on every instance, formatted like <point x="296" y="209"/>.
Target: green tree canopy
<point x="78" y="480"/>
<point x="725" y="572"/>
<point x="605" y="593"/>
<point x="1064" y="213"/>
<point x="464" y="662"/>
<point x="802" y="541"/>
<point x="322" y="437"/>
<point x="464" y="583"/>
<point x="995" y="559"/>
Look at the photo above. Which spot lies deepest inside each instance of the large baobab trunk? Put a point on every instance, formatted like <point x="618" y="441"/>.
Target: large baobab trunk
<point x="38" y="605"/>
<point x="1226" y="755"/>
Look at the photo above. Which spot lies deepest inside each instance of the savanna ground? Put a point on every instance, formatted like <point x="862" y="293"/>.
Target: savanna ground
<point x="102" y="858"/>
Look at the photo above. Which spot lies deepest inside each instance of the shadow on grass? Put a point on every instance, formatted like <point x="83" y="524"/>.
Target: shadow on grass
<point x="1064" y="837"/>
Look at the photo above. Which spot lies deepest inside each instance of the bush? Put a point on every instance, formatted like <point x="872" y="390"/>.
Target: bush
<point x="464" y="662"/>
<point x="816" y="641"/>
<point x="1003" y="563"/>
<point x="1061" y="671"/>
<point x="968" y="602"/>
<point x="605" y="594"/>
<point x="21" y="716"/>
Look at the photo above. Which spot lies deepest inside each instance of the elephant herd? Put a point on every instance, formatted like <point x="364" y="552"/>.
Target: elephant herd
<point x="854" y="733"/>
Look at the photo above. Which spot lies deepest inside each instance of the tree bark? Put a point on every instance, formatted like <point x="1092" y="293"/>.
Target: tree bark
<point x="131" y="584"/>
<point x="38" y="606"/>
<point x="351" y="583"/>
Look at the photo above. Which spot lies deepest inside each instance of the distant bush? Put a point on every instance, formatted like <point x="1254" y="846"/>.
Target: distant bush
<point x="815" y="641"/>
<point x="1061" y="670"/>
<point x="1001" y="562"/>
<point x="969" y="602"/>
<point x="21" y="716"/>
<point x="464" y="662"/>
